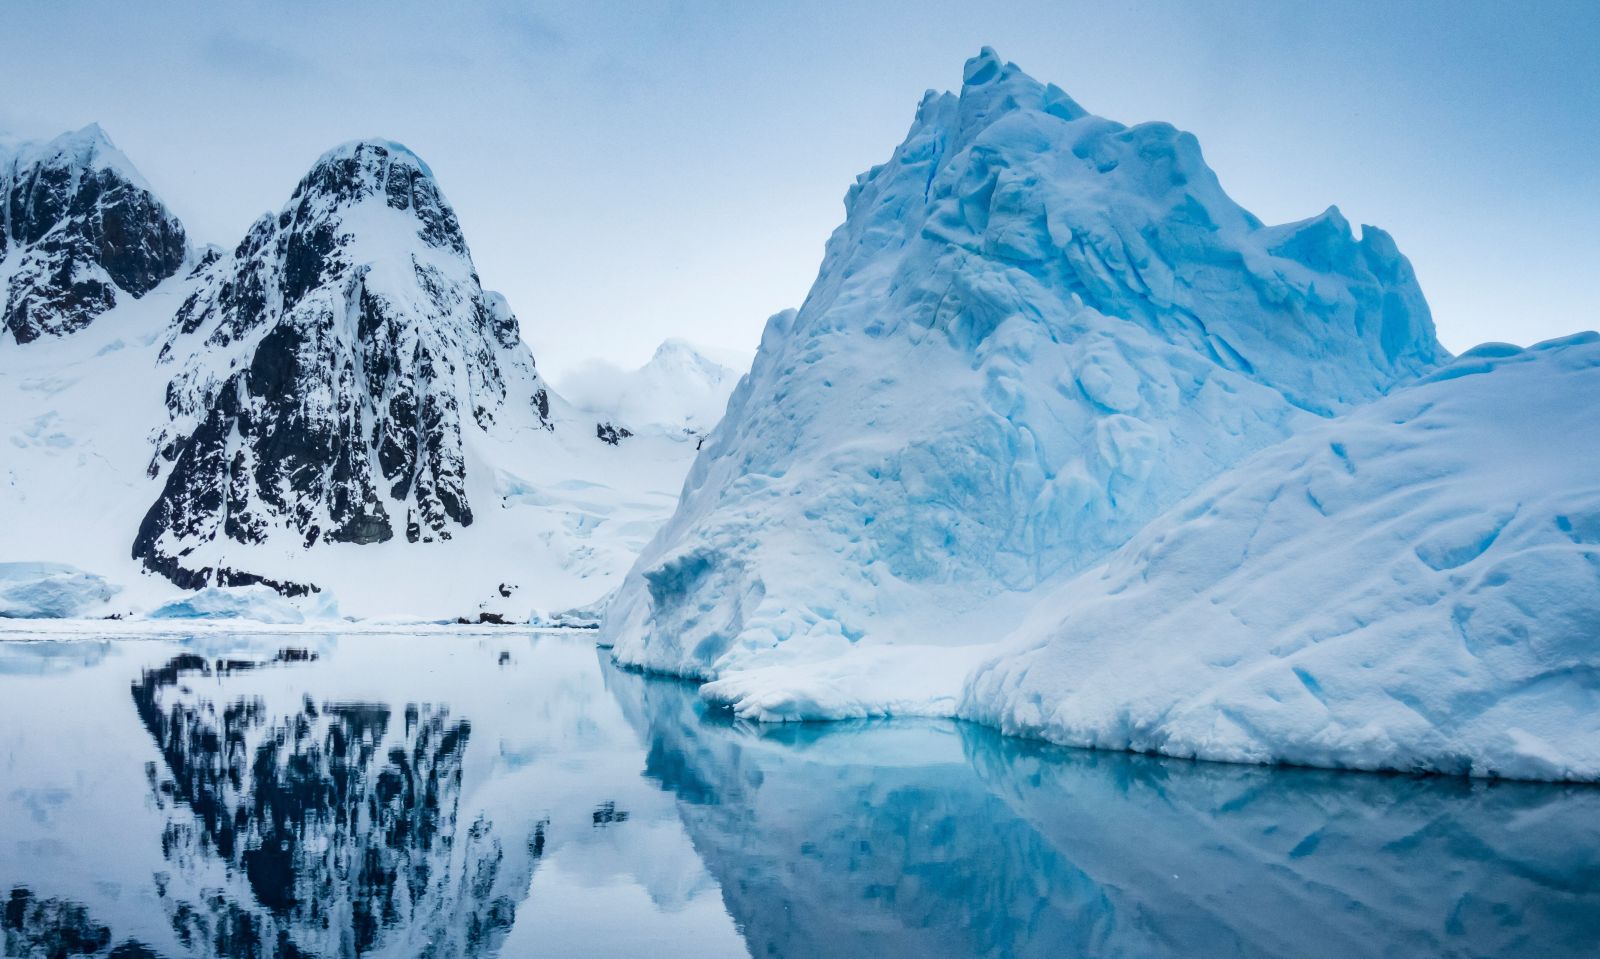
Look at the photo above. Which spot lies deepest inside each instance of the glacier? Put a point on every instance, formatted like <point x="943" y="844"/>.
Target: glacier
<point x="1413" y="586"/>
<point x="1035" y="331"/>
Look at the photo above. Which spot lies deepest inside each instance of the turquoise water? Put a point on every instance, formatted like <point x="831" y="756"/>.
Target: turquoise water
<point x="516" y="795"/>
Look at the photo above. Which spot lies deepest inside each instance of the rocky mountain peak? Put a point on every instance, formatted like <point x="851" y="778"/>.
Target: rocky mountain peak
<point x="327" y="371"/>
<point x="79" y="228"/>
<point x="363" y="171"/>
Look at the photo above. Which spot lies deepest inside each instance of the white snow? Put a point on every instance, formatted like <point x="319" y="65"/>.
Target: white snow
<point x="76" y="415"/>
<point x="79" y="151"/>
<point x="1413" y="586"/>
<point x="1036" y="330"/>
<point x="561" y="515"/>
<point x="50" y="591"/>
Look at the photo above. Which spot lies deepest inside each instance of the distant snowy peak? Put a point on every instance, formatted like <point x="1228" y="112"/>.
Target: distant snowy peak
<point x="681" y="390"/>
<point x="679" y="358"/>
<point x="325" y="373"/>
<point x="79" y="229"/>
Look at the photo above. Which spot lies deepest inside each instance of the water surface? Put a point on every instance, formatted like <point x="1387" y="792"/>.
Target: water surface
<point x="515" y="795"/>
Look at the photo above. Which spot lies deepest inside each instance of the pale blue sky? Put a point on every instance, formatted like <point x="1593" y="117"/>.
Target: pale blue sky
<point x="630" y="171"/>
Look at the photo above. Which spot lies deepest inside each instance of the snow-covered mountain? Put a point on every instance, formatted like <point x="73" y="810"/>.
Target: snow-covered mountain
<point x="336" y="404"/>
<point x="683" y="389"/>
<point x="80" y="231"/>
<point x="323" y="375"/>
<point x="1412" y="586"/>
<point x="1035" y="331"/>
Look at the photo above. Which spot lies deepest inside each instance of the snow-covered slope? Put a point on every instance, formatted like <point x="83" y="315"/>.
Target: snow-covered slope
<point x="336" y="403"/>
<point x="77" y="415"/>
<point x="80" y="231"/>
<point x="1413" y="586"/>
<point x="1035" y="331"/>
<point x="682" y="389"/>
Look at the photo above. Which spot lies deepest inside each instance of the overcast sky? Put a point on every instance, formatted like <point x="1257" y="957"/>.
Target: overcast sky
<point x="630" y="171"/>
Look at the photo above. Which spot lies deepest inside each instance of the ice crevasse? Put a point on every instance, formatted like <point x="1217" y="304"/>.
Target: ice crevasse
<point x="1036" y="331"/>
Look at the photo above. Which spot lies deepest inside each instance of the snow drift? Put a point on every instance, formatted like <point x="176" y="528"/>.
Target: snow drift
<point x="1035" y="331"/>
<point x="1413" y="586"/>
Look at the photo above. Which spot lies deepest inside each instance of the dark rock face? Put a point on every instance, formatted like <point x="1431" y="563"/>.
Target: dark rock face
<point x="327" y="369"/>
<point x="82" y="231"/>
<point x="611" y="434"/>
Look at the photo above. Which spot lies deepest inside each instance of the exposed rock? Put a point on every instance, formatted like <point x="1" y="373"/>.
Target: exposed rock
<point x="608" y="433"/>
<point x="79" y="230"/>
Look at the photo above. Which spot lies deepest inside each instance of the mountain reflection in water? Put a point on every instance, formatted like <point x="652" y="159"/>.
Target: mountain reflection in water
<point x="342" y="827"/>
<point x="516" y="795"/>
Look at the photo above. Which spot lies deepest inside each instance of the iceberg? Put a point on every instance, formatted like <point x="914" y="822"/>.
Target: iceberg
<point x="50" y="591"/>
<point x="1035" y="331"/>
<point x="255" y="602"/>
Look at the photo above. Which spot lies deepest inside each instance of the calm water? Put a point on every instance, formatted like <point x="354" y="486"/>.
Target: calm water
<point x="516" y="795"/>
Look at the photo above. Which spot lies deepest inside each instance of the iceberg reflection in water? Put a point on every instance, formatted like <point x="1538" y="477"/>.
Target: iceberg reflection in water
<point x="517" y="795"/>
